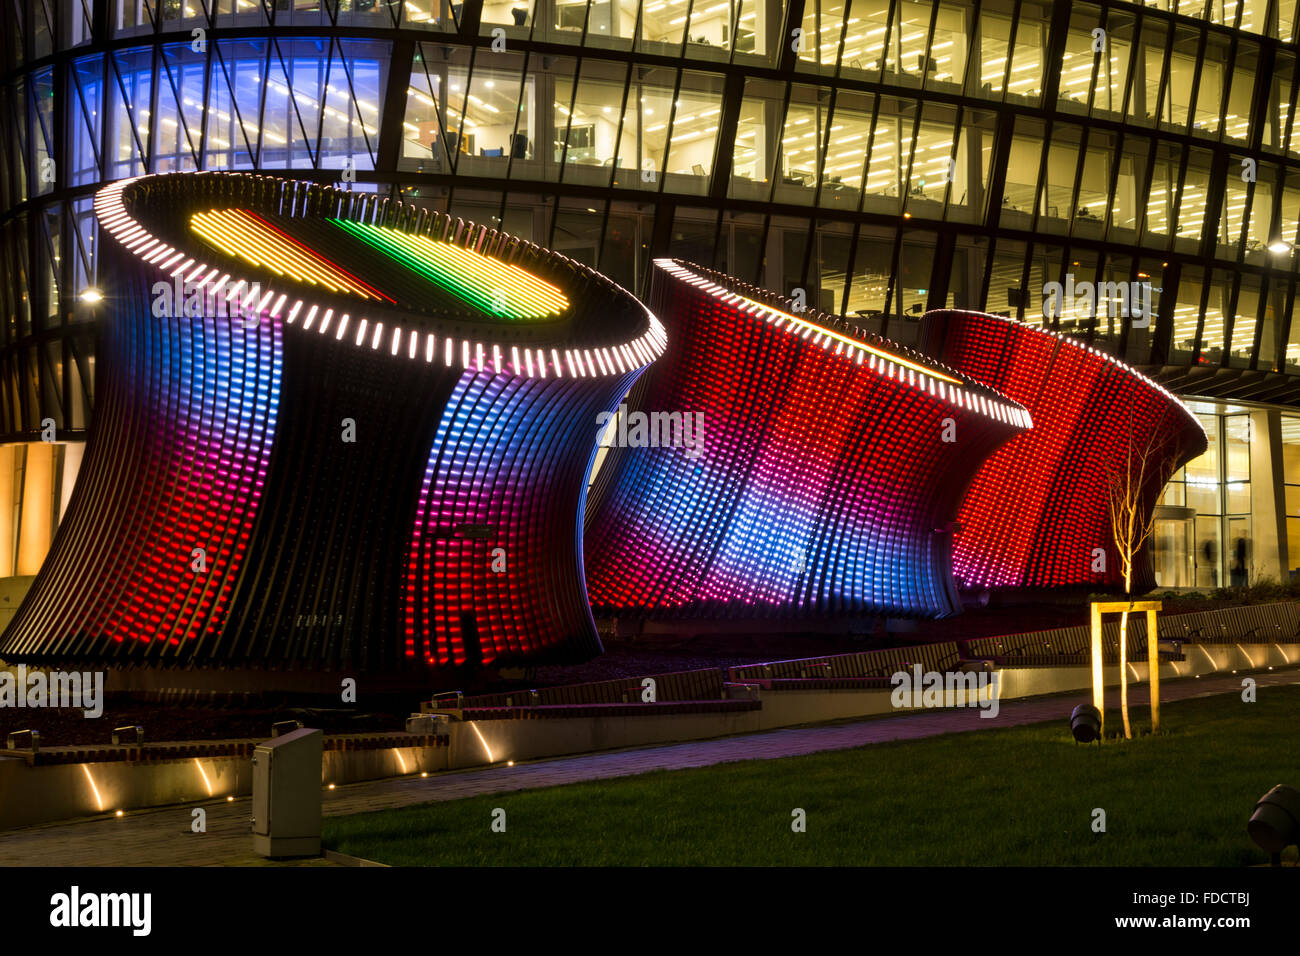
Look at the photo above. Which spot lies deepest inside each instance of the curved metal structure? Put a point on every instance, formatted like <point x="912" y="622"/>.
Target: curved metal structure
<point x="1037" y="512"/>
<point x="336" y="433"/>
<point x="822" y="468"/>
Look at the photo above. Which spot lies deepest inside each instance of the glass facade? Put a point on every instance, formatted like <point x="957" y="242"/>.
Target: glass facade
<point x="885" y="156"/>
<point x="1216" y="525"/>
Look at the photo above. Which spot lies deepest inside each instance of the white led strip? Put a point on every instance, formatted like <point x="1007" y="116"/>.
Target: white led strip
<point x="608" y="361"/>
<point x="876" y="361"/>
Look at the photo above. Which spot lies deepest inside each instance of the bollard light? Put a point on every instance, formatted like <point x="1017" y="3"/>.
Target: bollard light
<point x="1275" y="824"/>
<point x="1085" y="724"/>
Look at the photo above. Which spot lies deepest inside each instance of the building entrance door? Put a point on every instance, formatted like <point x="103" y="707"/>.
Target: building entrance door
<point x="1173" y="547"/>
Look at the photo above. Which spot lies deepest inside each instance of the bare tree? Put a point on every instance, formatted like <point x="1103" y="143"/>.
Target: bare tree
<point x="1146" y="465"/>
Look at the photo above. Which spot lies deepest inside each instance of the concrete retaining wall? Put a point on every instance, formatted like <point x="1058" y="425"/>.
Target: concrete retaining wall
<point x="44" y="793"/>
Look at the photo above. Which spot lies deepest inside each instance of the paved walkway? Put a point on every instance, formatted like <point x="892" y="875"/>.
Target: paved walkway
<point x="163" y="837"/>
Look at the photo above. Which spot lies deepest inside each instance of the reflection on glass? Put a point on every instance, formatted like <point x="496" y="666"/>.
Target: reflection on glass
<point x="872" y="268"/>
<point x="1209" y="551"/>
<point x="1172" y="548"/>
<point x="586" y="115"/>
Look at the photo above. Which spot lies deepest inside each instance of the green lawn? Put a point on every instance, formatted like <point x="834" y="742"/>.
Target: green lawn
<point x="1019" y="796"/>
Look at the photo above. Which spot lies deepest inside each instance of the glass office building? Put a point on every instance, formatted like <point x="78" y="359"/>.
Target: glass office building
<point x="884" y="156"/>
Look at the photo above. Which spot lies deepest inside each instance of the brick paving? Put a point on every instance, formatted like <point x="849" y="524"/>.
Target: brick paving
<point x="162" y="837"/>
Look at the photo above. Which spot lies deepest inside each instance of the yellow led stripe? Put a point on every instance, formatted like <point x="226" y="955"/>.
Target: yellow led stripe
<point x="241" y="234"/>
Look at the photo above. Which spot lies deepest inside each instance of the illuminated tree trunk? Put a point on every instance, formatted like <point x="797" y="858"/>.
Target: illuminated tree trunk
<point x="1123" y="657"/>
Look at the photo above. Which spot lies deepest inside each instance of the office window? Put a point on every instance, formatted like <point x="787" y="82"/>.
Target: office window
<point x="1080" y="315"/>
<point x="947" y="68"/>
<point x="625" y="249"/>
<point x="993" y="49"/>
<point x="1150" y="96"/>
<point x="577" y="230"/>
<point x="1115" y="63"/>
<point x="694" y="137"/>
<point x="891" y="150"/>
<point x="972" y="166"/>
<point x="1218" y="306"/>
<point x="1233" y="216"/>
<point x="663" y="25"/>
<point x="1130" y="196"/>
<point x="1186" y="313"/>
<point x="1056" y="202"/>
<point x="873" y="267"/>
<point x="1241" y="91"/>
<point x="756" y="145"/>
<point x="1020" y="185"/>
<point x="84" y="120"/>
<point x="906" y="60"/>
<point x="1259" y="231"/>
<point x="498" y="124"/>
<point x="1045" y="265"/>
<point x="1291" y="476"/>
<point x="828" y="271"/>
<point x="712" y="29"/>
<point x="1176" y="111"/>
<point x="429" y="14"/>
<point x="1089" y="215"/>
<point x="1080" y="62"/>
<point x="516" y="16"/>
<point x="1273" y="307"/>
<point x="586" y="115"/>
<point x="846" y="151"/>
<point x="1030" y="60"/>
<point x="1254" y="15"/>
<point x="1191" y="212"/>
<point x="933" y="164"/>
<point x="1286" y="17"/>
<point x="1241" y="348"/>
<point x="823" y="36"/>
<point x="1277" y="119"/>
<point x="1212" y="74"/>
<point x="802" y="139"/>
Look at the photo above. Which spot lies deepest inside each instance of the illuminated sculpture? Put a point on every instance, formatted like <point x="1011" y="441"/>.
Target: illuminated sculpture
<point x="822" y="472"/>
<point x="1036" y="514"/>
<point x="370" y="456"/>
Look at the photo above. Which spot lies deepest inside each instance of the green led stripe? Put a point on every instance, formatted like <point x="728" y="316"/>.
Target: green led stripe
<point x="496" y="287"/>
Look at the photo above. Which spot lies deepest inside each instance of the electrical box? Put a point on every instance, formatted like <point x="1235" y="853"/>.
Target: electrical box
<point x="287" y="794"/>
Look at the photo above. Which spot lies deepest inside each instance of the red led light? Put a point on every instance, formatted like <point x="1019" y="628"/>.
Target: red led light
<point x="1037" y="510"/>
